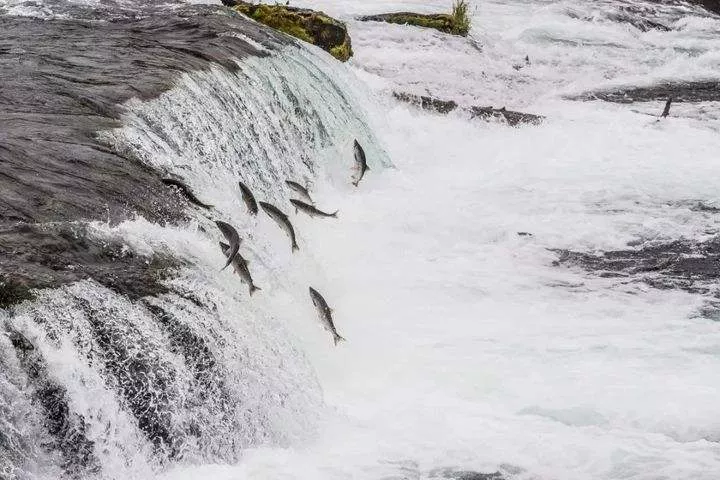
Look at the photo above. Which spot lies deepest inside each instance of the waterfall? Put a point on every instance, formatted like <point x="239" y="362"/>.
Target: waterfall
<point x="94" y="382"/>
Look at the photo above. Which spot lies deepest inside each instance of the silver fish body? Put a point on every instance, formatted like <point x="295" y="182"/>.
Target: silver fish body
<point x="360" y="163"/>
<point x="232" y="236"/>
<point x="311" y="210"/>
<point x="300" y="190"/>
<point x="241" y="268"/>
<point x="185" y="190"/>
<point x="325" y="314"/>
<point x="248" y="198"/>
<point x="282" y="220"/>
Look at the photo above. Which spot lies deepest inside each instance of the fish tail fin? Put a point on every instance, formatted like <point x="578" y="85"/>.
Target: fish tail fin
<point x="337" y="338"/>
<point x="229" y="260"/>
<point x="254" y="289"/>
<point x="295" y="247"/>
<point x="335" y="214"/>
<point x="367" y="167"/>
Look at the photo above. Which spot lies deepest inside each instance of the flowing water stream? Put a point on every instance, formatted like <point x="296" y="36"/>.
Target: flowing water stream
<point x="538" y="301"/>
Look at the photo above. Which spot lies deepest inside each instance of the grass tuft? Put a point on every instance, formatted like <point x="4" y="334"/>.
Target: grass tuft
<point x="460" y="18"/>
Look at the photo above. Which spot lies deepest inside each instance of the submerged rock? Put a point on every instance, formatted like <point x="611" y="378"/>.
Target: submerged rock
<point x="685" y="264"/>
<point x="705" y="91"/>
<point x="308" y="25"/>
<point x="710" y="5"/>
<point x="443" y="22"/>
<point x="510" y="117"/>
<point x="427" y="103"/>
<point x="454" y="474"/>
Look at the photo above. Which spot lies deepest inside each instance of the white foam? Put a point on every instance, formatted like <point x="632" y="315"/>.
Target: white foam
<point x="466" y="347"/>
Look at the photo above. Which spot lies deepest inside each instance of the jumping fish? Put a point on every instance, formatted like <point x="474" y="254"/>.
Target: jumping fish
<point x="666" y="110"/>
<point x="325" y="314"/>
<point x="185" y="190"/>
<point x="300" y="190"/>
<point x="249" y="199"/>
<point x="233" y="237"/>
<point x="241" y="267"/>
<point x="310" y="210"/>
<point x="360" y="163"/>
<point x="282" y="220"/>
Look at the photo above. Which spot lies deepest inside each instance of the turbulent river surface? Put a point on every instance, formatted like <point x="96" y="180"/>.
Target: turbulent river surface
<point x="530" y="302"/>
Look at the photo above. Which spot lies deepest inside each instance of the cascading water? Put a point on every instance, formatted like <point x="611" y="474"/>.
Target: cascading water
<point x="535" y="303"/>
<point x="95" y="382"/>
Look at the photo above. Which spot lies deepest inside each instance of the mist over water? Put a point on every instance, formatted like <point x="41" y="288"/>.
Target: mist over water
<point x="469" y="347"/>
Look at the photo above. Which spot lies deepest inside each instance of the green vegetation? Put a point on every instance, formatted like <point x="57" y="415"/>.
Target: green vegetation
<point x="455" y="23"/>
<point x="460" y="19"/>
<point x="278" y="18"/>
<point x="307" y="25"/>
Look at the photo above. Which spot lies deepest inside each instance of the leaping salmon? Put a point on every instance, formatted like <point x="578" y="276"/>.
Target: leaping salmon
<point x="325" y="314"/>
<point x="312" y="211"/>
<point x="241" y="267"/>
<point x="282" y="220"/>
<point x="233" y="237"/>
<point x="360" y="163"/>
<point x="300" y="190"/>
<point x="185" y="190"/>
<point x="249" y="199"/>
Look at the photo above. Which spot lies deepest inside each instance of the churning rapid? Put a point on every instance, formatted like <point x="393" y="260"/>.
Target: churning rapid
<point x="530" y="301"/>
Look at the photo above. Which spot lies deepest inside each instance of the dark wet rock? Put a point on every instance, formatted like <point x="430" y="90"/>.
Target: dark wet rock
<point x="633" y="15"/>
<point x="426" y="102"/>
<point x="709" y="5"/>
<point x="442" y="22"/>
<point x="48" y="256"/>
<point x="53" y="104"/>
<point x="680" y="92"/>
<point x="693" y="266"/>
<point x="452" y="474"/>
<point x="704" y="207"/>
<point x="509" y="117"/>
<point x="311" y="26"/>
<point x="658" y="15"/>
<point x="13" y="291"/>
<point x="641" y="23"/>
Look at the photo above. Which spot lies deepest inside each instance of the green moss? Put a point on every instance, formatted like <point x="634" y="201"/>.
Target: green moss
<point x="439" y="22"/>
<point x="13" y="292"/>
<point x="307" y="25"/>
<point x="342" y="52"/>
<point x="456" y="23"/>
<point x="278" y="18"/>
